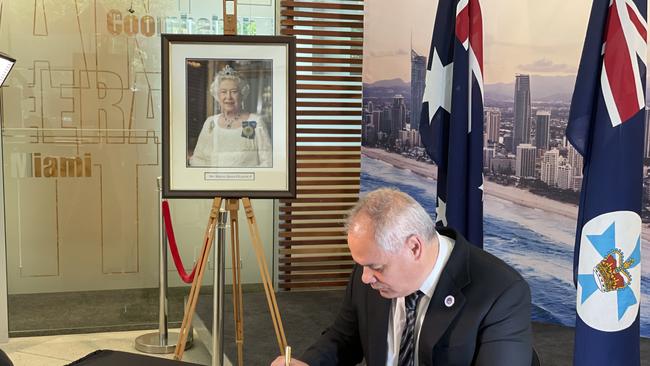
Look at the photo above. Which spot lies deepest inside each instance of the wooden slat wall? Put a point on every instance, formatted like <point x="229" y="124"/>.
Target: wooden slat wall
<point x="329" y="36"/>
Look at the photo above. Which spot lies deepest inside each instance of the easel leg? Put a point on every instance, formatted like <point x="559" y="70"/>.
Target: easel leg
<point x="264" y="272"/>
<point x="237" y="297"/>
<point x="198" y="277"/>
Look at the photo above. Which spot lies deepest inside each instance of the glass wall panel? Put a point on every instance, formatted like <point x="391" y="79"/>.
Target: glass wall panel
<point x="81" y="140"/>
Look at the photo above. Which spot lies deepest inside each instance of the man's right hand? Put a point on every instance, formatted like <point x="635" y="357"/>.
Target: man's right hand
<point x="279" y="361"/>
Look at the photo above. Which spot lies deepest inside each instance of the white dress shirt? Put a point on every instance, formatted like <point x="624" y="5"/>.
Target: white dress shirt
<point x="397" y="318"/>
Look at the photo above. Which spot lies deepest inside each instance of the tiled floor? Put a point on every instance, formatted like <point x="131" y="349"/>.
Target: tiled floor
<point x="62" y="349"/>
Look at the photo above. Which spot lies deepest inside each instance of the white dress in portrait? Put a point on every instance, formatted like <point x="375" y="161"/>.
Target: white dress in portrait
<point x="248" y="145"/>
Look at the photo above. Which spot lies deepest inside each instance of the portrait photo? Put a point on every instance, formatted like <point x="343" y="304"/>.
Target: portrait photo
<point x="228" y="116"/>
<point x="229" y="125"/>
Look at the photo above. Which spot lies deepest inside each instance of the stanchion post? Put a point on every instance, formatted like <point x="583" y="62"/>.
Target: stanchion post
<point x="162" y="269"/>
<point x="162" y="341"/>
<point x="208" y="239"/>
<point x="218" y="292"/>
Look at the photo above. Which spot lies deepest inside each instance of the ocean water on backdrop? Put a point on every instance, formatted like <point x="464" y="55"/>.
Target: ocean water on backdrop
<point x="537" y="243"/>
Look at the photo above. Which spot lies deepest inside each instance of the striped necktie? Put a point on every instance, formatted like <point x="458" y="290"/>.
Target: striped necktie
<point x="407" y="343"/>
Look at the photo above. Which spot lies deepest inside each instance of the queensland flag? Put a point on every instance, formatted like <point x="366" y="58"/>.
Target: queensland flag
<point x="606" y="126"/>
<point x="451" y="122"/>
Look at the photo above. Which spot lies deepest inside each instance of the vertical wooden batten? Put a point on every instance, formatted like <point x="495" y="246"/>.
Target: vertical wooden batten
<point x="313" y="251"/>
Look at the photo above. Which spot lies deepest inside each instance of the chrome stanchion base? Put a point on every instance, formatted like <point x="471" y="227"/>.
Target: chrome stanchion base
<point x="150" y="343"/>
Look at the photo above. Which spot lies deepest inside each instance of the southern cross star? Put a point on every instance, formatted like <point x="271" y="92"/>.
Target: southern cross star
<point x="437" y="90"/>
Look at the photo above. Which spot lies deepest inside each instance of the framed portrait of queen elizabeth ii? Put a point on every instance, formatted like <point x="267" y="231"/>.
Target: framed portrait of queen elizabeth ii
<point x="228" y="116"/>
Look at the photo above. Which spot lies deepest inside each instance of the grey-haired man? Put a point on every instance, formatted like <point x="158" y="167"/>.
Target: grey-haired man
<point x="421" y="296"/>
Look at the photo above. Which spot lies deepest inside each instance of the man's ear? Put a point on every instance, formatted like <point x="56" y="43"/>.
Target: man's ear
<point x="414" y="245"/>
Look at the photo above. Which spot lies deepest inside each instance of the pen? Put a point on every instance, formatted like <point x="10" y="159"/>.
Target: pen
<point x="287" y="356"/>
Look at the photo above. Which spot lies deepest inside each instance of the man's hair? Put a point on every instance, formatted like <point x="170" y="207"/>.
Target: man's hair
<point x="395" y="216"/>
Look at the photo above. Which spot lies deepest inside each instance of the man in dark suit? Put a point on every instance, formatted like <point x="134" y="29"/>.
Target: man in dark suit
<point x="418" y="296"/>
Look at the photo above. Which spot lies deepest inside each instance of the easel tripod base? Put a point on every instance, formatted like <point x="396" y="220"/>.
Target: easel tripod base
<point x="232" y="206"/>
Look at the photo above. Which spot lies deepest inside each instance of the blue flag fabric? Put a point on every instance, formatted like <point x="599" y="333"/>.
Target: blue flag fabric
<point x="606" y="125"/>
<point x="451" y="122"/>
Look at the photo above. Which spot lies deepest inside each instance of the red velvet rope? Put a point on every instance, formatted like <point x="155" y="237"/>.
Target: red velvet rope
<point x="172" y="246"/>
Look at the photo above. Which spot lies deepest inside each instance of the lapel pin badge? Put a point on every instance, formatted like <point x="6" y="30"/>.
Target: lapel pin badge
<point x="449" y="301"/>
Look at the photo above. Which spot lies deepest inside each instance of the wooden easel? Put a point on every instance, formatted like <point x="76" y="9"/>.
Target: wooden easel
<point x="232" y="206"/>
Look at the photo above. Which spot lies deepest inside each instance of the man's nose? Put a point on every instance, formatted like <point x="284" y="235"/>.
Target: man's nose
<point x="368" y="277"/>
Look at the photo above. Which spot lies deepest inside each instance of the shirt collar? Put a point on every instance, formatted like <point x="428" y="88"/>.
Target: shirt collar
<point x="445" y="246"/>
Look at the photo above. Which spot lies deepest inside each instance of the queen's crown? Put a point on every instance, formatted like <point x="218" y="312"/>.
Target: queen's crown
<point x="228" y="71"/>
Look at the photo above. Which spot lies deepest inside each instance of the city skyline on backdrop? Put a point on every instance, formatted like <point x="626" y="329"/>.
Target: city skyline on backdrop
<point x="524" y="135"/>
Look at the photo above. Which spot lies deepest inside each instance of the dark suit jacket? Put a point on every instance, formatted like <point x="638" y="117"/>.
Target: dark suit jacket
<point x="488" y="324"/>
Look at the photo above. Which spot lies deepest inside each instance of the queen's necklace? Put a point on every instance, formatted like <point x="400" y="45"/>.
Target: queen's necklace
<point x="230" y="121"/>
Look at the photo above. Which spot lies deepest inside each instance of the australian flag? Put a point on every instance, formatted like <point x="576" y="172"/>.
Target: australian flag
<point x="606" y="126"/>
<point x="451" y="123"/>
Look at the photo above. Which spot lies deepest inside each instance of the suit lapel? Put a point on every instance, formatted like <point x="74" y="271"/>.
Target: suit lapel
<point x="454" y="276"/>
<point x="378" y="313"/>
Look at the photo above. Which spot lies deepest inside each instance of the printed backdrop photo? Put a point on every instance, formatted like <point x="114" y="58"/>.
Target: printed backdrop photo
<point x="532" y="175"/>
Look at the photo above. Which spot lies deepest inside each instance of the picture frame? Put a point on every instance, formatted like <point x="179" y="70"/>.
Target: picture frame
<point x="228" y="116"/>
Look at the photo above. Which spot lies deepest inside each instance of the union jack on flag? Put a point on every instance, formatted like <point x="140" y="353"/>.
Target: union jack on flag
<point x="624" y="46"/>
<point x="451" y="122"/>
<point x="606" y="125"/>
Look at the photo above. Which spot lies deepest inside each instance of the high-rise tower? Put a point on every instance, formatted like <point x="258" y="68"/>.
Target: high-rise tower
<point x="418" y="75"/>
<point x="521" y="133"/>
<point x="543" y="119"/>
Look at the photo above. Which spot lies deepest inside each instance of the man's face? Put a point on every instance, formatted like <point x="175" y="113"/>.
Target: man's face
<point x="390" y="273"/>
